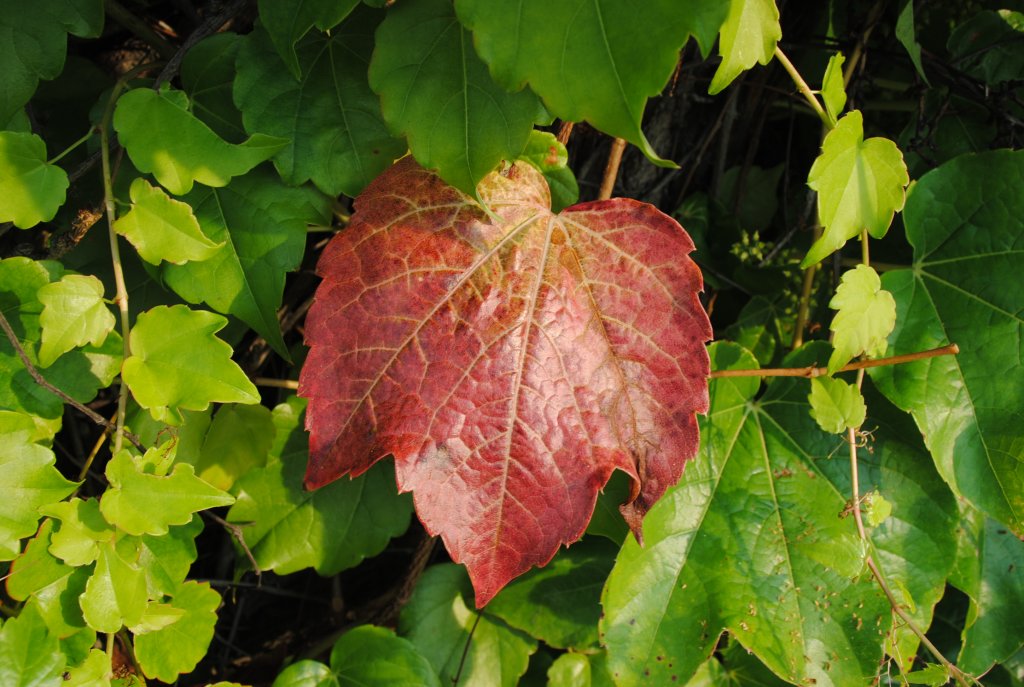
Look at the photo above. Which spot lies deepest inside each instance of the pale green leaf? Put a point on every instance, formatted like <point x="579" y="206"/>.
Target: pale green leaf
<point x="167" y="558"/>
<point x="371" y="656"/>
<point x="549" y="156"/>
<point x="193" y="153"/>
<point x="437" y="620"/>
<point x="74" y="314"/>
<point x="157" y="617"/>
<point x="876" y="509"/>
<point x="865" y="318"/>
<point x="115" y="595"/>
<point x="584" y="670"/>
<point x="237" y="442"/>
<point x="338" y="136"/>
<point x="836" y="405"/>
<point x="82" y="529"/>
<point x="627" y="55"/>
<point x="179" y="647"/>
<point x="859" y="183"/>
<point x="94" y="672"/>
<point x="177" y="363"/>
<point x="907" y="36"/>
<point x="932" y="674"/>
<point x="32" y="189"/>
<point x="289" y="20"/>
<point x="141" y="503"/>
<point x="28" y="481"/>
<point x="59" y="605"/>
<point x="262" y="224"/>
<point x="747" y="37"/>
<point x="36" y="568"/>
<point x="833" y="90"/>
<point x="436" y="91"/>
<point x="162" y="228"/>
<point x="30" y="655"/>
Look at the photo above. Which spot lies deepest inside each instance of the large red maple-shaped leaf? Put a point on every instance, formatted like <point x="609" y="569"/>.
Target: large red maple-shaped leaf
<point x="509" y="363"/>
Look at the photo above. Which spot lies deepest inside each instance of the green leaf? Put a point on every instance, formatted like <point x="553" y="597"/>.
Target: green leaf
<point x="748" y="36"/>
<point x="289" y="528"/>
<point x="115" y="595"/>
<point x="833" y="90"/>
<point x="436" y="91"/>
<point x="371" y="656"/>
<point x="859" y="183"/>
<point x="33" y="189"/>
<point x="560" y="603"/>
<point x="965" y="221"/>
<point x="531" y="42"/>
<point x="74" y="314"/>
<point x="581" y="670"/>
<point x="991" y="558"/>
<point x="207" y="75"/>
<point x="193" y="153"/>
<point x="179" y="647"/>
<point x="989" y="45"/>
<point x="306" y="673"/>
<point x="162" y="228"/>
<point x="94" y="672"/>
<point x="36" y="568"/>
<point x="757" y="329"/>
<point x="147" y="504"/>
<point x="262" y="224"/>
<point x="82" y="529"/>
<point x="836" y="405"/>
<point x="753" y="495"/>
<point x="438" y="623"/>
<point x="549" y="156"/>
<point x="178" y="363"/>
<point x="865" y="318"/>
<point x="907" y="36"/>
<point x="289" y="20"/>
<point x="876" y="509"/>
<point x="338" y="136"/>
<point x="29" y="655"/>
<point x="932" y="674"/>
<point x="167" y="558"/>
<point x="237" y="442"/>
<point x="28" y="481"/>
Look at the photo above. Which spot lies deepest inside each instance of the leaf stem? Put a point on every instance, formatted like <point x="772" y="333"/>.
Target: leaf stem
<point x="611" y="170"/>
<point x="811" y="372"/>
<point x="802" y="86"/>
<point x="88" y="134"/>
<point x="275" y="383"/>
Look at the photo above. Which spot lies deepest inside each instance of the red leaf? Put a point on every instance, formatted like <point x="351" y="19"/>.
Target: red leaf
<point x="509" y="363"/>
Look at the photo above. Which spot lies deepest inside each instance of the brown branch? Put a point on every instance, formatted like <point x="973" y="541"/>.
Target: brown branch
<point x="120" y="14"/>
<point x="564" y="131"/>
<point x="43" y="382"/>
<point x="611" y="170"/>
<point x="236" y="533"/>
<point x="811" y="372"/>
<point x="209" y="27"/>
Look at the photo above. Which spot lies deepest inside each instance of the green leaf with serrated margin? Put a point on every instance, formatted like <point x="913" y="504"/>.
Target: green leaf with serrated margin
<point x="965" y="221"/>
<point x="115" y="595"/>
<point x="289" y="20"/>
<point x="82" y="529"/>
<point x="549" y="45"/>
<point x="193" y="153"/>
<point x="436" y="91"/>
<point x="179" y="647"/>
<point x="94" y="672"/>
<point x="74" y="314"/>
<point x="753" y="495"/>
<point x="162" y="228"/>
<point x="371" y="656"/>
<point x="437" y="620"/>
<point x="549" y="156"/>
<point x="30" y="655"/>
<point x="32" y="189"/>
<point x="836" y="405"/>
<point x="262" y="224"/>
<point x="865" y="318"/>
<point x="207" y="75"/>
<point x="859" y="183"/>
<point x="167" y="558"/>
<point x="833" y="90"/>
<point x="178" y="363"/>
<point x="747" y="37"/>
<point x="237" y="442"/>
<point x="141" y="503"/>
<point x="338" y="136"/>
<point x="333" y="528"/>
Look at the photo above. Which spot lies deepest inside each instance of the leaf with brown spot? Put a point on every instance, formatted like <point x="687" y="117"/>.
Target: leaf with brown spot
<point x="510" y="362"/>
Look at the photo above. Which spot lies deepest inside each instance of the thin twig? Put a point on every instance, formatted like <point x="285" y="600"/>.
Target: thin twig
<point x="811" y="372"/>
<point x="207" y="28"/>
<point x="275" y="383"/>
<point x="236" y="533"/>
<point x="611" y="170"/>
<point x="140" y="28"/>
<point x="43" y="382"/>
<point x="564" y="132"/>
<point x="802" y="86"/>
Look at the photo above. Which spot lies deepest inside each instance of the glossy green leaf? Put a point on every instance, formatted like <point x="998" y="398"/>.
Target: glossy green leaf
<point x="753" y="495"/>
<point x="141" y="503"/>
<point x="262" y="224"/>
<point x="289" y="20"/>
<point x="436" y="91"/>
<point x="859" y="183"/>
<point x="207" y="75"/>
<point x="906" y="34"/>
<point x="94" y="672"/>
<point x="178" y="648"/>
<point x="193" y="153"/>
<point x="82" y="529"/>
<point x="865" y="318"/>
<point x="990" y="46"/>
<point x="833" y="90"/>
<point x="74" y="314"/>
<point x="289" y="528"/>
<point x="28" y="481"/>
<point x="549" y="156"/>
<point x="306" y="673"/>
<point x="29" y="655"/>
<point x="33" y="189"/>
<point x="338" y="136"/>
<point x="371" y="656"/>
<point x="988" y="571"/>
<point x="747" y="37"/>
<point x="560" y="603"/>
<point x="162" y="228"/>
<point x="168" y="557"/>
<point x="438" y="620"/>
<point x="237" y="442"/>
<point x="177" y="363"/>
<point x="965" y="221"/>
<point x="548" y="45"/>
<point x="115" y="595"/>
<point x="836" y="405"/>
